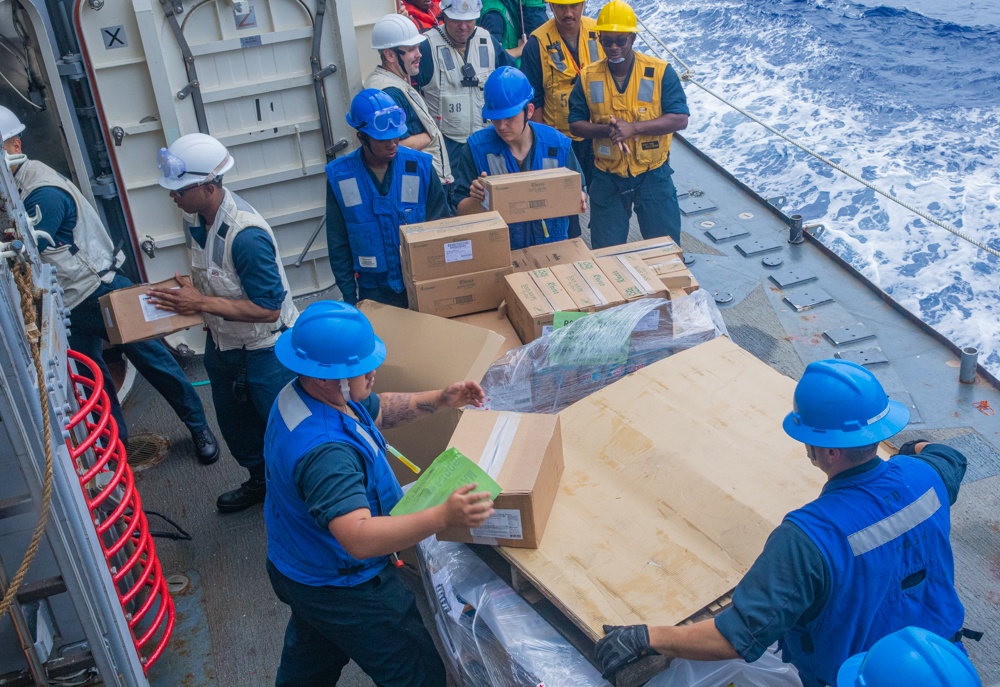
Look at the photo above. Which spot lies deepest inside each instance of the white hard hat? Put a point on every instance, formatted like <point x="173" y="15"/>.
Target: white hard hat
<point x="462" y="10"/>
<point x="10" y="125"/>
<point x="395" y="31"/>
<point x="192" y="159"/>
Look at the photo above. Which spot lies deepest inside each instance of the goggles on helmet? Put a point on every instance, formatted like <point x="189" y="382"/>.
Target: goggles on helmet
<point x="388" y="118"/>
<point x="174" y="168"/>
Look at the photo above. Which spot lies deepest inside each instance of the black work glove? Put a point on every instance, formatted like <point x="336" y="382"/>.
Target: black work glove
<point x="907" y="448"/>
<point x="621" y="645"/>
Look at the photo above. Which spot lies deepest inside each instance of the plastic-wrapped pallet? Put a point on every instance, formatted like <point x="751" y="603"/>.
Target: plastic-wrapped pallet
<point x="584" y="356"/>
<point x="766" y="671"/>
<point x="493" y="637"/>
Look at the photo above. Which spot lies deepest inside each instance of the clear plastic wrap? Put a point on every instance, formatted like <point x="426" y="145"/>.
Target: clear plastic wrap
<point x="584" y="356"/>
<point x="766" y="671"/>
<point x="493" y="637"/>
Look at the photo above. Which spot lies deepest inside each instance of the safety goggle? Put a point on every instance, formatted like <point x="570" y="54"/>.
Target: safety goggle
<point x="388" y="118"/>
<point x="608" y="41"/>
<point x="174" y="168"/>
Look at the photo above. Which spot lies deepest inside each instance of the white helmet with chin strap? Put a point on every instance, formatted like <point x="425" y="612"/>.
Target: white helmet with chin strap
<point x="395" y="31"/>
<point x="10" y="125"/>
<point x="192" y="159"/>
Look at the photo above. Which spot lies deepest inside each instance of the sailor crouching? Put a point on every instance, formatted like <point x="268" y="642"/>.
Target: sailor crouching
<point x="330" y="492"/>
<point x="85" y="261"/>
<point x="238" y="285"/>
<point x="513" y="143"/>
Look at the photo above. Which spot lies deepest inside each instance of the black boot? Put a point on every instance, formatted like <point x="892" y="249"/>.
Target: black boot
<point x="249" y="493"/>
<point x="206" y="446"/>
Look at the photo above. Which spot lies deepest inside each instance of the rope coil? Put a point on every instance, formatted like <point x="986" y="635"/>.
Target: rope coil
<point x="686" y="75"/>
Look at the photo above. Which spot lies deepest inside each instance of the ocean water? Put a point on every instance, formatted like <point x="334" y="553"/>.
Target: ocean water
<point x="904" y="93"/>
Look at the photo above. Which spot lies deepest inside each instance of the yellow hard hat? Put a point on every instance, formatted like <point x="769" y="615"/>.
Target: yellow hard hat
<point x="565" y="2"/>
<point x="617" y="17"/>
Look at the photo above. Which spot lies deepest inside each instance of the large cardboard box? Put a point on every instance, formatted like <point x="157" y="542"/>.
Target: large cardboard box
<point x="130" y="317"/>
<point x="528" y="196"/>
<point x="599" y="282"/>
<point x="523" y="453"/>
<point x="459" y="295"/>
<point x="495" y="321"/>
<point x="648" y="249"/>
<point x="632" y="278"/>
<point x="586" y="299"/>
<point x="426" y="352"/>
<point x="554" y="291"/>
<point x="550" y="254"/>
<point x="454" y="246"/>
<point x="532" y="300"/>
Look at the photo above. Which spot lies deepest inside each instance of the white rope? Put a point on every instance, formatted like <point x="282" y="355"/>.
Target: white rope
<point x="19" y="94"/>
<point x="686" y="76"/>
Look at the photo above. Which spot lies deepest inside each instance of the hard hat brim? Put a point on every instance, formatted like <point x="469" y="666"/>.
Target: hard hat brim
<point x="893" y="422"/>
<point x="14" y="133"/>
<point x="505" y="112"/>
<point x="408" y="43"/>
<point x="461" y="16"/>
<point x="388" y="134"/>
<point x="565" y="2"/>
<point x="177" y="184"/>
<point x="615" y="28"/>
<point x="289" y="357"/>
<point x="848" y="674"/>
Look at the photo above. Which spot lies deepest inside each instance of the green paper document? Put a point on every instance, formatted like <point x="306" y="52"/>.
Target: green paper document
<point x="561" y="318"/>
<point x="448" y="472"/>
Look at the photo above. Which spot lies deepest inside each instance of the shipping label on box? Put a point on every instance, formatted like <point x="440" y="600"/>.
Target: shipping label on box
<point x="599" y="282"/>
<point x="527" y="307"/>
<point x="460" y="295"/>
<point x="129" y="316"/>
<point x="453" y="246"/>
<point x="550" y="254"/>
<point x="529" y="196"/>
<point x="523" y="453"/>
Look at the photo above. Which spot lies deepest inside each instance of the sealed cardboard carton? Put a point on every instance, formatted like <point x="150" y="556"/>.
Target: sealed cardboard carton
<point x="528" y="196"/>
<point x="453" y="246"/>
<point x="527" y="307"/>
<point x="586" y="299"/>
<point x="523" y="453"/>
<point x="554" y="291"/>
<point x="631" y="276"/>
<point x="604" y="290"/>
<point x="459" y="295"/>
<point x="550" y="254"/>
<point x="649" y="249"/>
<point x="130" y="317"/>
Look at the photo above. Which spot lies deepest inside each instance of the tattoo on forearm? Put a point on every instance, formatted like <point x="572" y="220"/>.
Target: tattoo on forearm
<point x="398" y="409"/>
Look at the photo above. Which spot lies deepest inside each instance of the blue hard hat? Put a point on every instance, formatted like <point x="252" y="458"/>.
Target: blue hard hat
<point x="839" y="404"/>
<point x="911" y="657"/>
<point x="373" y="112"/>
<point x="506" y="93"/>
<point x="330" y="340"/>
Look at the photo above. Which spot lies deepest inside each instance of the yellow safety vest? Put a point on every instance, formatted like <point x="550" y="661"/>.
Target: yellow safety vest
<point x="639" y="103"/>
<point x="559" y="70"/>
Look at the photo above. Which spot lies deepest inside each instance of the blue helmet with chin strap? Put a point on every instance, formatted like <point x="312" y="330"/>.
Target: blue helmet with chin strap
<point x="376" y="114"/>
<point x="839" y="404"/>
<point x="506" y="92"/>
<point x="330" y="340"/>
<point x="911" y="657"/>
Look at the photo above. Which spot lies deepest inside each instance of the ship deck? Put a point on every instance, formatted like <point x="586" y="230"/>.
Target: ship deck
<point x="230" y="626"/>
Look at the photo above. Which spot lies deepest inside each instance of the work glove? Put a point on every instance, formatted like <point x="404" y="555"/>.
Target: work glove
<point x="907" y="448"/>
<point x="621" y="645"/>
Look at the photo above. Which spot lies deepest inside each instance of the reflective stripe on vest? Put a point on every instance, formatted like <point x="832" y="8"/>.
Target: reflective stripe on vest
<point x="296" y="544"/>
<point x="383" y="79"/>
<point x="214" y="274"/>
<point x="81" y="266"/>
<point x="552" y="149"/>
<point x="885" y="537"/>
<point x="372" y="219"/>
<point x="559" y="70"/>
<point x="458" y="109"/>
<point x="639" y="103"/>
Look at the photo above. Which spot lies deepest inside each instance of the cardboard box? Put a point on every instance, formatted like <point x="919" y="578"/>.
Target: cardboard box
<point x="460" y="295"/>
<point x="130" y="317"/>
<point x="497" y="322"/>
<point x="550" y="254"/>
<point x="554" y="291"/>
<point x="528" y="196"/>
<point x="674" y="274"/>
<point x="426" y="352"/>
<point x="586" y="299"/>
<point x="632" y="278"/>
<point x="604" y="290"/>
<point x="649" y="249"/>
<point x="453" y="246"/>
<point x="527" y="307"/>
<point x="523" y="453"/>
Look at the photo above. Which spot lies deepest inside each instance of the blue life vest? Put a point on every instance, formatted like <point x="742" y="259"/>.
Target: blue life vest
<point x="298" y="547"/>
<point x="373" y="219"/>
<point x="552" y="148"/>
<point x="885" y="537"/>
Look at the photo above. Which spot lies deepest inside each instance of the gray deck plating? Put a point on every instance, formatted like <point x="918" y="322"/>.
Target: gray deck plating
<point x="244" y="621"/>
